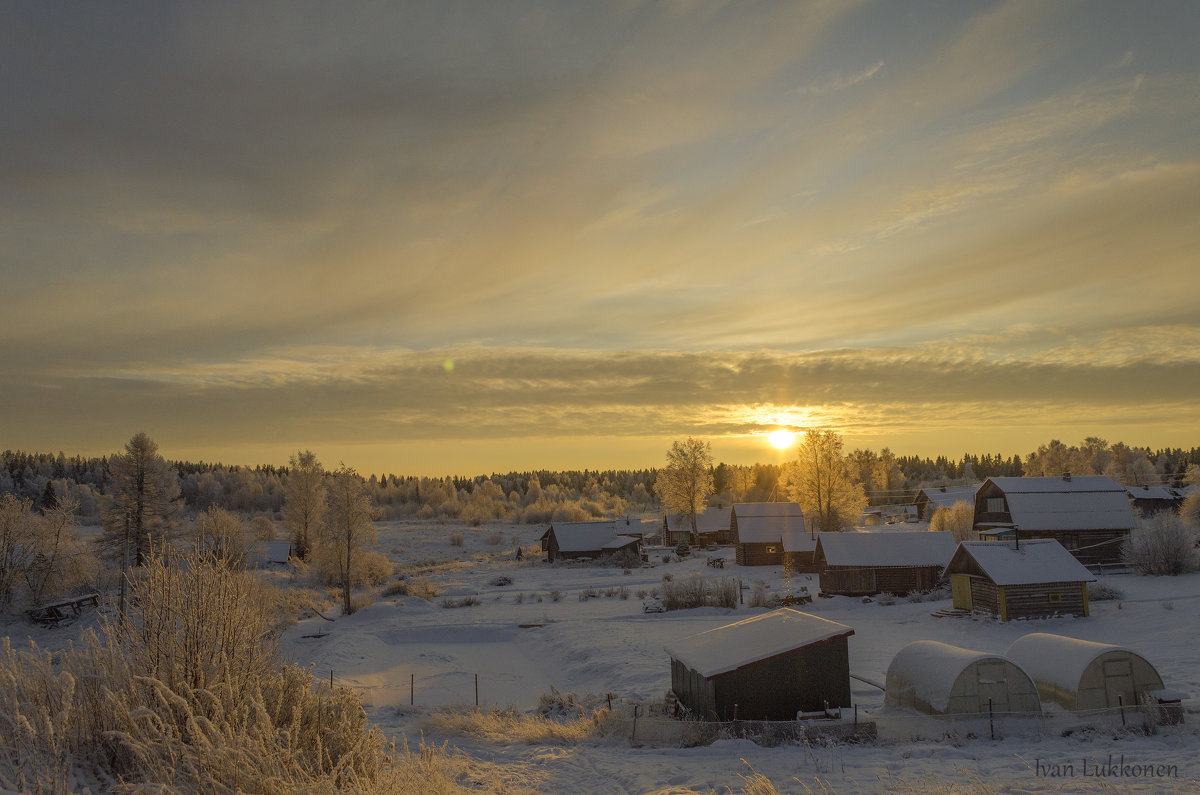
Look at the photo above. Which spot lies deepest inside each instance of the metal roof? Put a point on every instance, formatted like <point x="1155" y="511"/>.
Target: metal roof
<point x="1036" y="560"/>
<point x="887" y="549"/>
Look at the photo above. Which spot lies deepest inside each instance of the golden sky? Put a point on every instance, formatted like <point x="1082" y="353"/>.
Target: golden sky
<point x="475" y="237"/>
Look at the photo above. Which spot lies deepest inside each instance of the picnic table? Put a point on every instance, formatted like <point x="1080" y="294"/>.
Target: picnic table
<point x="52" y="613"/>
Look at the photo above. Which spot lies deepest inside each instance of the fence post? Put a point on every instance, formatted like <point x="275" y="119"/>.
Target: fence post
<point x="331" y="679"/>
<point x="991" y="724"/>
<point x="1121" y="705"/>
<point x="856" y="717"/>
<point x="476" y="691"/>
<point x="412" y="689"/>
<point x="633" y="734"/>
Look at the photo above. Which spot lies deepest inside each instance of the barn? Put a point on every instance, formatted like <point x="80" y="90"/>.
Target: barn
<point x="759" y="529"/>
<point x="768" y="667"/>
<point x="1080" y="675"/>
<point x="931" y="498"/>
<point x="1090" y="516"/>
<point x="858" y="564"/>
<point x="568" y="540"/>
<point x="940" y="679"/>
<point x="712" y="527"/>
<point x="1036" y="578"/>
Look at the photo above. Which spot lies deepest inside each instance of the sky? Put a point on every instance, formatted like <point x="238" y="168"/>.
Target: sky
<point x="433" y="238"/>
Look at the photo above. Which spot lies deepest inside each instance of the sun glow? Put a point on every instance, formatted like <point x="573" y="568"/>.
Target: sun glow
<point x="781" y="439"/>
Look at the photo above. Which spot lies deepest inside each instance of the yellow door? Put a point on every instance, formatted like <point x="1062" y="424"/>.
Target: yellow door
<point x="960" y="590"/>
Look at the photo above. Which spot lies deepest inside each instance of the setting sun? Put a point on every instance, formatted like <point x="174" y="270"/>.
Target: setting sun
<point x="781" y="439"/>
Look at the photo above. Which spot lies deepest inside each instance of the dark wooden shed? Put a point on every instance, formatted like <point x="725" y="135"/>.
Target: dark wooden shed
<point x="763" y="532"/>
<point x="569" y="540"/>
<point x="858" y="564"/>
<point x="769" y="667"/>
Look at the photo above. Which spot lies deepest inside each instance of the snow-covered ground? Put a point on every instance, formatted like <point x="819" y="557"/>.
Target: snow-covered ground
<point x="523" y="638"/>
<point x="520" y="640"/>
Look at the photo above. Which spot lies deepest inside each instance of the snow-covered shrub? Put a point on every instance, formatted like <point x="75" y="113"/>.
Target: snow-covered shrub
<point x="457" y="540"/>
<point x="1104" y="592"/>
<point x="758" y="594"/>
<point x="1161" y="544"/>
<point x="695" y="591"/>
<point x="886" y="599"/>
<point x="957" y="520"/>
<point x="1189" y="511"/>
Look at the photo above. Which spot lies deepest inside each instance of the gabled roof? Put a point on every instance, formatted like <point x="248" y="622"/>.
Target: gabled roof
<point x="947" y="496"/>
<point x="771" y="523"/>
<point x="1154" y="493"/>
<point x="710" y="520"/>
<point x="1092" y="502"/>
<point x="887" y="549"/>
<point x="1036" y="560"/>
<point x="797" y="539"/>
<point x="734" y="646"/>
<point x="583" y="536"/>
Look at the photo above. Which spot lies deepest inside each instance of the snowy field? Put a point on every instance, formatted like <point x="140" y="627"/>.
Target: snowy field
<point x="521" y="639"/>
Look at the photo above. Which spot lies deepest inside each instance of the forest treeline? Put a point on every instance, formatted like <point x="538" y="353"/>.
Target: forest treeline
<point x="543" y="496"/>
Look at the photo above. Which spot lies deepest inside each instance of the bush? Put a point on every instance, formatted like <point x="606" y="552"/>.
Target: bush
<point x="694" y="591"/>
<point x="957" y="520"/>
<point x="1161" y="544"/>
<point x="495" y="539"/>
<point x="1103" y="592"/>
<point x="457" y="540"/>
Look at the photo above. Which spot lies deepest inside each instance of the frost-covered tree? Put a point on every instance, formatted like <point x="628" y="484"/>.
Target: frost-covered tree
<point x="684" y="484"/>
<point x="223" y="534"/>
<point x="822" y="480"/>
<point x="1189" y="510"/>
<point x="958" y="520"/>
<point x="304" y="502"/>
<point x="17" y="531"/>
<point x="348" y="526"/>
<point x="1161" y="544"/>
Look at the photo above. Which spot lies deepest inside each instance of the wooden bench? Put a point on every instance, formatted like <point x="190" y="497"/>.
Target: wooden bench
<point x="52" y="613"/>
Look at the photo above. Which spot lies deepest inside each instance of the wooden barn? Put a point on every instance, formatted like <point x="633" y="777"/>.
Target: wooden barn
<point x="1033" y="578"/>
<point x="940" y="679"/>
<point x="1149" y="500"/>
<point x="1080" y="675"/>
<point x="759" y="529"/>
<point x="931" y="498"/>
<point x="712" y="527"/>
<point x="858" y="564"/>
<point x="769" y="667"/>
<point x="568" y="540"/>
<point x="1090" y="516"/>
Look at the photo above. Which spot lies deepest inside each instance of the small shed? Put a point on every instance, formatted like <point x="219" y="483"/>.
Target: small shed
<point x="940" y="679"/>
<point x="857" y="564"/>
<point x="930" y="498"/>
<point x="712" y="527"/>
<point x="1037" y="578"/>
<point x="1148" y="500"/>
<point x="265" y="554"/>
<point x="1081" y="675"/>
<point x="800" y="550"/>
<point x="768" y="667"/>
<point x="759" y="528"/>
<point x="568" y="540"/>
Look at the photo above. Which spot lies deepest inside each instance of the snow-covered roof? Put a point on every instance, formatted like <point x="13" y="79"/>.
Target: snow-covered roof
<point x="266" y="552"/>
<point x="1154" y="493"/>
<point x="1056" y="485"/>
<point x="887" y="549"/>
<point x="734" y="646"/>
<point x="1058" y="660"/>
<point x="797" y="539"/>
<point x="1091" y="502"/>
<point x="619" y="542"/>
<point x="1031" y="561"/>
<point x="947" y="496"/>
<point x="767" y="509"/>
<point x="583" y="536"/>
<point x="710" y="520"/>
<point x="770" y="523"/>
<point x="929" y="669"/>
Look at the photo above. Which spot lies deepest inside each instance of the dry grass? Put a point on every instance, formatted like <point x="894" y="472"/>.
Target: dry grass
<point x="509" y="726"/>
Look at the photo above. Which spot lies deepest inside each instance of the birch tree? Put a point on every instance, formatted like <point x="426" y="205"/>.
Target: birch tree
<point x="304" y="501"/>
<point x="822" y="480"/>
<point x="348" y="525"/>
<point x="684" y="485"/>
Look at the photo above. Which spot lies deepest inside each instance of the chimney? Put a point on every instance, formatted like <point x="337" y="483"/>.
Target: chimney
<point x="1067" y="476"/>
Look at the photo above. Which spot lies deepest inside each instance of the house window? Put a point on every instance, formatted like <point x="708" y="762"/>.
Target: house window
<point x="995" y="505"/>
<point x="770" y="550"/>
<point x="1055" y="598"/>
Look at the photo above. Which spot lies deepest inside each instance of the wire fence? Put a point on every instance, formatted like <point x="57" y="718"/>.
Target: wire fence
<point x="655" y="728"/>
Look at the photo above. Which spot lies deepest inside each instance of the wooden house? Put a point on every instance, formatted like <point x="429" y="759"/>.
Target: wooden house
<point x="712" y="527"/>
<point x="1080" y="675"/>
<point x="769" y="667"/>
<point x="1149" y="500"/>
<point x="931" y="498"/>
<point x="940" y="679"/>
<point x="759" y="529"/>
<point x="569" y="540"/>
<point x="1035" y="578"/>
<point x="858" y="564"/>
<point x="1090" y="516"/>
